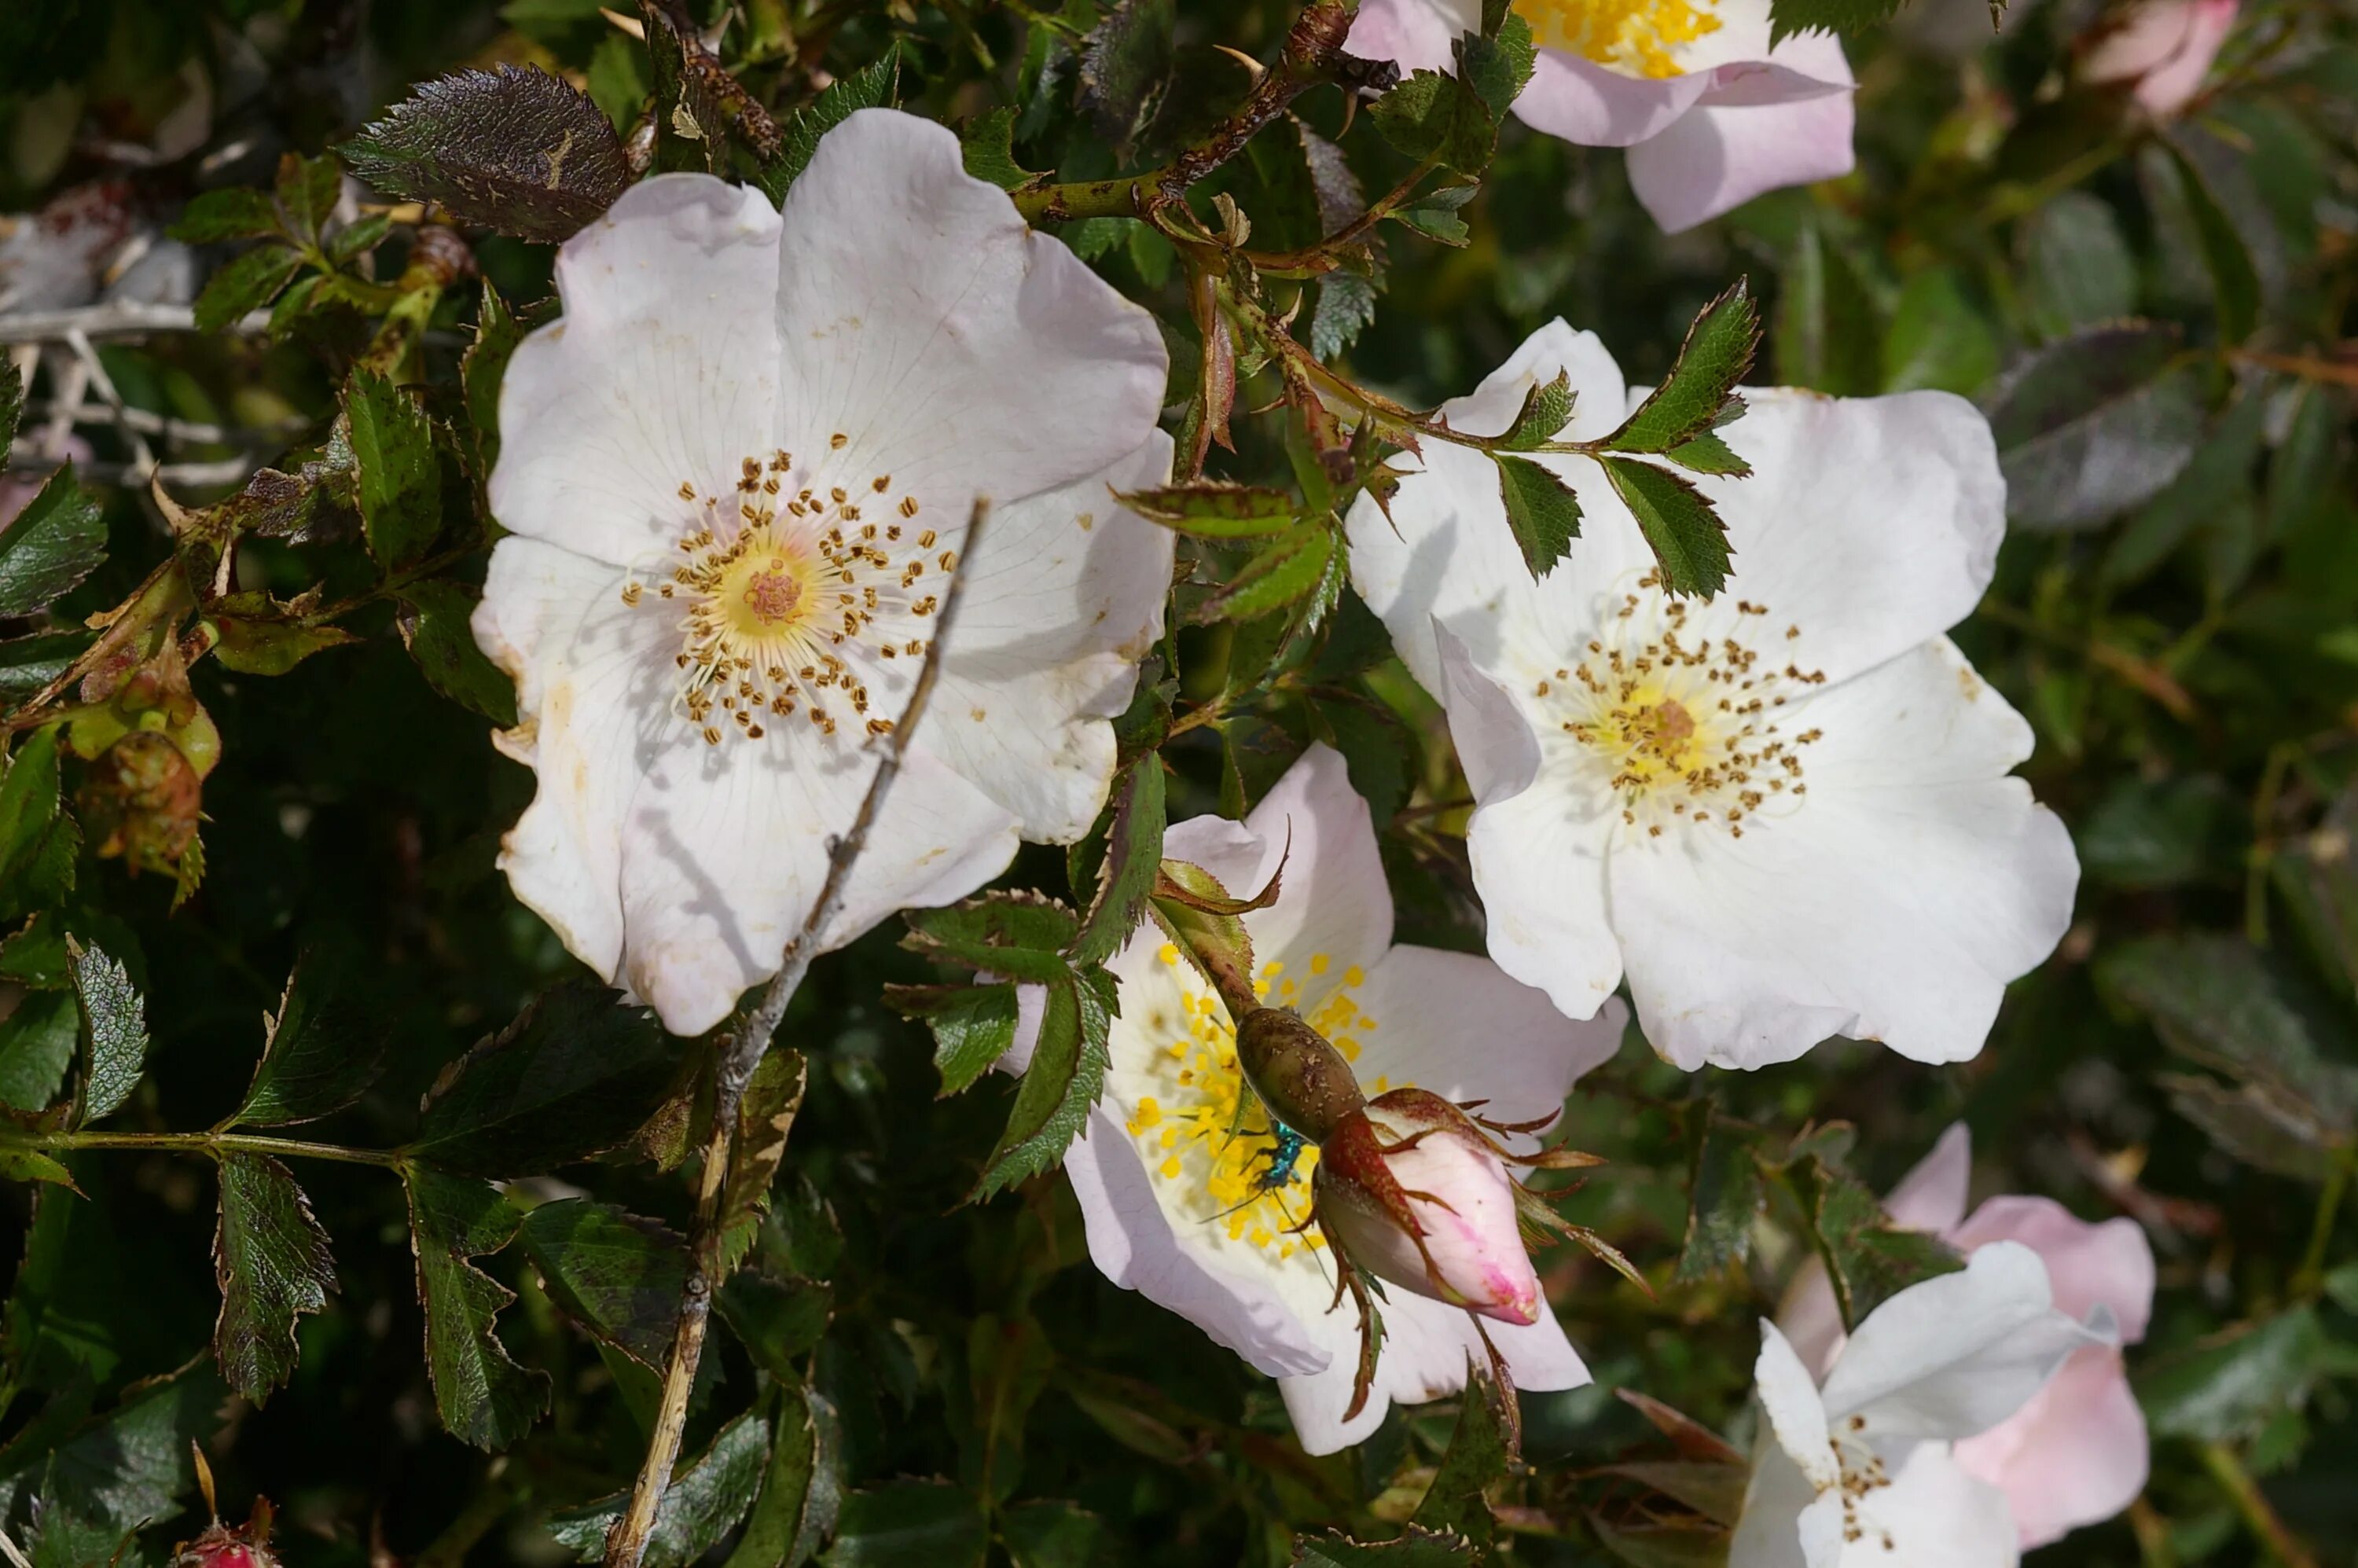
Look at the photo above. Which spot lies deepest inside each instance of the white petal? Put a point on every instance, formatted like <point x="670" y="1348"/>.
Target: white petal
<point x="1956" y="1355"/>
<point x="1415" y="34"/>
<point x="1063" y="598"/>
<point x="663" y="371"/>
<point x="1716" y="158"/>
<point x="594" y="684"/>
<point x="1870" y="523"/>
<point x="725" y="847"/>
<point x="955" y="350"/>
<point x="1796" y="1412"/>
<point x="1133" y="1244"/>
<point x="1426" y="1348"/>
<point x="1455" y="1023"/>
<point x="1776" y="1498"/>
<point x="1893" y="905"/>
<point x="1933" y="1515"/>
<point x="1447" y="551"/>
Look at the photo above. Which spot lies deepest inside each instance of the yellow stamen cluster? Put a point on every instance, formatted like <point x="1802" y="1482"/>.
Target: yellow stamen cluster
<point x="1207" y="1133"/>
<point x="1862" y="1473"/>
<point x="1680" y="725"/>
<point x="793" y="597"/>
<point x="1633" y="36"/>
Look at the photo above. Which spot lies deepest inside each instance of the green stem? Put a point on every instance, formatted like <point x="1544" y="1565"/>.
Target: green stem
<point x="2259" y="1517"/>
<point x="213" y="1145"/>
<point x="2306" y="1278"/>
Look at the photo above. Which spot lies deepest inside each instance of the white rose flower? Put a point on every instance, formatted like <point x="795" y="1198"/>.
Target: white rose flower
<point x="1858" y="1473"/>
<point x="738" y="473"/>
<point x="1189" y="1197"/>
<point x="1785" y="812"/>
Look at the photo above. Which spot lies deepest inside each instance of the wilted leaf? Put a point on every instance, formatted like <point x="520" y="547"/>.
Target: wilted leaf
<point x="1687" y="537"/>
<point x="322" y="1052"/>
<point x="573" y="1076"/>
<point x="703" y="1503"/>
<point x="114" y="1033"/>
<point x="484" y="1398"/>
<point x="2095" y="424"/>
<point x="515" y="150"/>
<point x="616" y="1274"/>
<point x="269" y="646"/>
<point x="56" y="541"/>
<point x="270" y="1257"/>
<point x="434" y="624"/>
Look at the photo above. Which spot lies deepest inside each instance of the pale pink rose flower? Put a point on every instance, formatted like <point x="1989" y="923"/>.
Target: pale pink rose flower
<point x="2164" y="47"/>
<point x="1712" y="113"/>
<point x="2077" y="1453"/>
<point x="1471" y="1239"/>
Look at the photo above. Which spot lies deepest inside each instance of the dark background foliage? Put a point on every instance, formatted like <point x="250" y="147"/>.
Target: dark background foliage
<point x="2159" y="320"/>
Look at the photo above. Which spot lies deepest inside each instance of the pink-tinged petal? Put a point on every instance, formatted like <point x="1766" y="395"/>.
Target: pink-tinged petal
<point x="1932" y="1196"/>
<point x="1594" y="106"/>
<point x="1462" y="1201"/>
<point x="1132" y="1243"/>
<point x="663" y="371"/>
<point x="1805" y="66"/>
<point x="2076" y="1454"/>
<point x="2164" y="47"/>
<point x="1811" y="1317"/>
<point x="1414" y="35"/>
<point x="928" y="335"/>
<point x="1716" y="158"/>
<point x="2108" y="1263"/>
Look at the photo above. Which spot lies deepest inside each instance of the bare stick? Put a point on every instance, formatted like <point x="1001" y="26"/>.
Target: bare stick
<point x="117" y="320"/>
<point x="740" y="1053"/>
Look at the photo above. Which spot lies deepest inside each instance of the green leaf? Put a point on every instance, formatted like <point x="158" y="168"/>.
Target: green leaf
<point x="1022" y="937"/>
<point x="1541" y="509"/>
<point x="988" y="145"/>
<point x="28" y="663"/>
<point x="1433" y="114"/>
<point x="1480" y="1453"/>
<point x="1715" y="356"/>
<point x="65" y="1324"/>
<point x="271" y="1258"/>
<point x="1546" y="410"/>
<point x="434" y="624"/>
<point x="1687" y="536"/>
<point x="2077" y="270"/>
<point x="1497" y="64"/>
<point x="484" y="1398"/>
<point x="1066" y="1073"/>
<point x="1052" y="1534"/>
<point x="1725" y="1194"/>
<point x="1867" y="1260"/>
<point x="514" y="150"/>
<point x="619" y="80"/>
<point x="2256" y="1126"/>
<point x="19" y="1163"/>
<point x="1125" y="68"/>
<point x="1827" y="335"/>
<point x="1133" y="857"/>
<point x="703" y="1503"/>
<point x="2095" y="424"/>
<point x="1285" y="572"/>
<point x="573" y="1076"/>
<point x="261" y="645"/>
<point x="247" y="283"/>
<point x="321" y="1054"/>
<point x="114" y="1032"/>
<point x="400" y="480"/>
<point x="872" y="87"/>
<point x="1214" y="509"/>
<point x="778" y="1321"/>
<point x="2229" y="1386"/>
<point x="1937" y="340"/>
<point x="910" y="1524"/>
<point x="1413" y="1548"/>
<point x="54" y="542"/>
<point x="236" y="212"/>
<point x="306" y="189"/>
<point x="802" y="1490"/>
<point x="2234" y="281"/>
<point x="482" y="369"/>
<point x="1790" y="16"/>
<point x="11" y="406"/>
<point x="1346" y="304"/>
<point x="116" y="1472"/>
<point x="2214" y="482"/>
<point x="617" y="1275"/>
<point x="39" y="841"/>
<point x="973" y="1027"/>
<point x="1678" y="1544"/>
<point x="36" y="1046"/>
<point x="764" y="1116"/>
<point x="1008" y="1361"/>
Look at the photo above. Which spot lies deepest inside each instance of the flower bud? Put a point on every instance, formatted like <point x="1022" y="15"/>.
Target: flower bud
<point x="1304" y="1081"/>
<point x="1414" y="1194"/>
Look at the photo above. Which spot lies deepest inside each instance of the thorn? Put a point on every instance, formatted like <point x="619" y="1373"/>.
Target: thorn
<point x="1252" y="67"/>
<point x="629" y="25"/>
<point x="205" y="1480"/>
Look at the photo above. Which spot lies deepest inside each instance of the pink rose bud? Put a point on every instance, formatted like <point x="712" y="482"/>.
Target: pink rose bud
<point x="1414" y="1194"/>
<point x="2163" y="46"/>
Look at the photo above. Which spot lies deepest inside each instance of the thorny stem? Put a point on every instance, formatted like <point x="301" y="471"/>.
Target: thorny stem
<point x="741" y="106"/>
<point x="1320" y="257"/>
<point x="213" y="1145"/>
<point x="739" y="1052"/>
<point x="2259" y="1515"/>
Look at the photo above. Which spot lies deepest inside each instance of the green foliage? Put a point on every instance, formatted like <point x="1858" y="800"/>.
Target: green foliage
<point x="874" y="86"/>
<point x="515" y="150"/>
<point x="1700" y="393"/>
<point x="483" y="1396"/>
<point x="2095" y="424"/>
<point x="54" y="543"/>
<point x="705" y="1502"/>
<point x="113" y="1035"/>
<point x="1542" y="510"/>
<point x="320" y="1054"/>
<point x="271" y="1257"/>
<point x="1687" y="537"/>
<point x="400" y="481"/>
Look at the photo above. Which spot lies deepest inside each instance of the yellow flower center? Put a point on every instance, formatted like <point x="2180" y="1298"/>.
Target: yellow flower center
<point x="1632" y="36"/>
<point x="1205" y="1134"/>
<point x="1675" y="725"/>
<point x="794" y="600"/>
